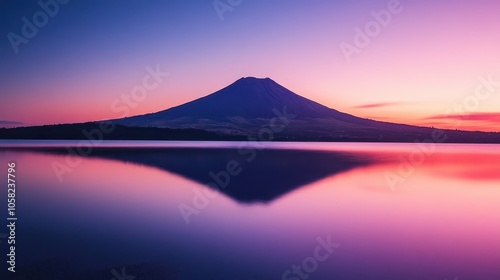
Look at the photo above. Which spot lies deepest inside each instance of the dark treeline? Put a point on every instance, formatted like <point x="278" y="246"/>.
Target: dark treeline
<point x="94" y="131"/>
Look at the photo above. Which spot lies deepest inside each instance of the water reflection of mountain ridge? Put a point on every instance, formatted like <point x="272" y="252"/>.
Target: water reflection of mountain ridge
<point x="264" y="175"/>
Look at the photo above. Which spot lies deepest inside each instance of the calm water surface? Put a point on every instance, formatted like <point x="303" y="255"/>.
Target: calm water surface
<point x="153" y="210"/>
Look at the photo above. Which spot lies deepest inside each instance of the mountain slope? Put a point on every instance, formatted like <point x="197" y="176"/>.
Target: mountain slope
<point x="247" y="99"/>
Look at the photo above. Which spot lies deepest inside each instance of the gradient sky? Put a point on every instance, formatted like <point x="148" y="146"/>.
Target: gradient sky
<point x="425" y="63"/>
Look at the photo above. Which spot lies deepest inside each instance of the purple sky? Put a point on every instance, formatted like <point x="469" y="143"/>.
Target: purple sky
<point x="423" y="62"/>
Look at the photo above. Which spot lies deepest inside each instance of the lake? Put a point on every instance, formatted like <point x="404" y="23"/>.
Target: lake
<point x="243" y="210"/>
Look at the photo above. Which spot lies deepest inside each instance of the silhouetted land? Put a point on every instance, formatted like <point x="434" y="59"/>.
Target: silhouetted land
<point x="121" y="132"/>
<point x="82" y="131"/>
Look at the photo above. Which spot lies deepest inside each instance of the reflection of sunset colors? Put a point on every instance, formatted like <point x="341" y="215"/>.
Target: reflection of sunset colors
<point x="428" y="59"/>
<point x="443" y="219"/>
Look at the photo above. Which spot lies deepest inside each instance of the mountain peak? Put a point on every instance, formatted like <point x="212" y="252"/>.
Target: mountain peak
<point x="250" y="78"/>
<point x="248" y="100"/>
<point x="254" y="80"/>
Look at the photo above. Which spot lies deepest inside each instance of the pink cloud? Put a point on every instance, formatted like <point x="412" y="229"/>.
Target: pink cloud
<point x="377" y="105"/>
<point x="483" y="117"/>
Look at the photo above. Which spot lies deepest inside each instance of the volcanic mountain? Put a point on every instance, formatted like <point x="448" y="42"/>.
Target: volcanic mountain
<point x="248" y="105"/>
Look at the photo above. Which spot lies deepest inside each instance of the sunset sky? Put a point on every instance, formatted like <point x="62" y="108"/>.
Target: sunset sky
<point x="423" y="67"/>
